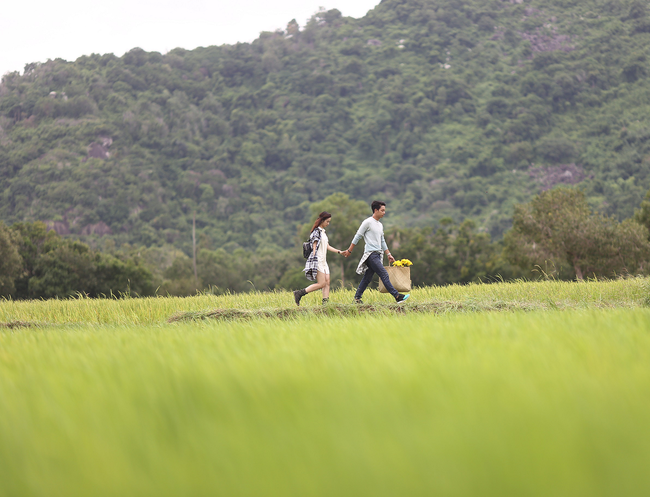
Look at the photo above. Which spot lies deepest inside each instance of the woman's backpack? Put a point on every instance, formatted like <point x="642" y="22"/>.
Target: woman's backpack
<point x="307" y="246"/>
<point x="306" y="250"/>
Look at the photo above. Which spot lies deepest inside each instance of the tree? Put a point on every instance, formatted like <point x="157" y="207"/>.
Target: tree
<point x="63" y="271"/>
<point x="115" y="276"/>
<point x="53" y="267"/>
<point x="642" y="215"/>
<point x="223" y="271"/>
<point x="450" y="254"/>
<point x="179" y="278"/>
<point x="558" y="226"/>
<point x="33" y="240"/>
<point x="11" y="263"/>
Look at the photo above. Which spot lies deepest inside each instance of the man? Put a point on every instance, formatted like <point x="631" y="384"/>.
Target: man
<point x="372" y="231"/>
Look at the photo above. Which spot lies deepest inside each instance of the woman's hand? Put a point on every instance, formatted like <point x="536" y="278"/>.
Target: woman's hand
<point x="333" y="249"/>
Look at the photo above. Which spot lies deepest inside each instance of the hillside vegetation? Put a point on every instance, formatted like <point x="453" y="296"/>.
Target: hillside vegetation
<point x="444" y="108"/>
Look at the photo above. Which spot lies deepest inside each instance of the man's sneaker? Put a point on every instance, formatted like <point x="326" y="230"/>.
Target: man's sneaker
<point x="358" y="301"/>
<point x="402" y="298"/>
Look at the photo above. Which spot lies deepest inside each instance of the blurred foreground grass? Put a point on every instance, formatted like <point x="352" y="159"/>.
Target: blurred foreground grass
<point x="535" y="404"/>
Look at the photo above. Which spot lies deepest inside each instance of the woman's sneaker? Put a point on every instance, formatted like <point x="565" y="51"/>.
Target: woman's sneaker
<point x="401" y="297"/>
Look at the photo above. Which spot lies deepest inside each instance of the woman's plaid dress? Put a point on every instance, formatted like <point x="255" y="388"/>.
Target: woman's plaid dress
<point x="311" y="266"/>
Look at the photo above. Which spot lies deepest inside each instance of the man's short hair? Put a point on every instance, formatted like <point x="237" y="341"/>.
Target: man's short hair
<point x="376" y="205"/>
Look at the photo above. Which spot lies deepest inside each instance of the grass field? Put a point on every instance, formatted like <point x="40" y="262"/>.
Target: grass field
<point x="108" y="398"/>
<point x="543" y="295"/>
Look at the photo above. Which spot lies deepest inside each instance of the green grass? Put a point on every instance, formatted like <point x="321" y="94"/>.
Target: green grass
<point x="541" y="403"/>
<point x="628" y="293"/>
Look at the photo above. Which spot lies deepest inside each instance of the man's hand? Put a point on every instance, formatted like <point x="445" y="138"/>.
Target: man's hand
<point x="346" y="253"/>
<point x="391" y="259"/>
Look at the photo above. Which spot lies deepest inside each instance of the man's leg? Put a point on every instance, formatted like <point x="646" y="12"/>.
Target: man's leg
<point x="365" y="281"/>
<point x="379" y="268"/>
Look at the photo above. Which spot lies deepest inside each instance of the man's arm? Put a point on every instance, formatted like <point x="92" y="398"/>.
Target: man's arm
<point x="384" y="247"/>
<point x="360" y="232"/>
<point x="365" y="225"/>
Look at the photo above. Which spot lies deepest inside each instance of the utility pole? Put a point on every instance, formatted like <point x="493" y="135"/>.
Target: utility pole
<point x="196" y="276"/>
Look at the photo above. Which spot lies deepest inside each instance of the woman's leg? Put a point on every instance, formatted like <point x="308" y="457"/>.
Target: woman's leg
<point x="320" y="282"/>
<point x="326" y="288"/>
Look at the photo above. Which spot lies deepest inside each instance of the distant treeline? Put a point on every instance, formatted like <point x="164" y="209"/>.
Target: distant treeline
<point x="446" y="109"/>
<point x="555" y="235"/>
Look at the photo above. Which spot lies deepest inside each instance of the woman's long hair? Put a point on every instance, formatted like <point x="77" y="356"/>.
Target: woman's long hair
<point x="321" y="217"/>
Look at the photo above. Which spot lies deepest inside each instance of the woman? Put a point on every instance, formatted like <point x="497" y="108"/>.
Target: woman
<point x="316" y="268"/>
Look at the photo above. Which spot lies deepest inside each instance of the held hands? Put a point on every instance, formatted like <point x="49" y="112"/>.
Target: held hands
<point x="348" y="252"/>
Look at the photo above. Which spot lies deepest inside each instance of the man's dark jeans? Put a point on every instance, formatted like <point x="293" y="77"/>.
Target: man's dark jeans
<point x="375" y="266"/>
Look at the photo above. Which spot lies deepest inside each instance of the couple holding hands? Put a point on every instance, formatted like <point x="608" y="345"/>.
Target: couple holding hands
<point x="372" y="231"/>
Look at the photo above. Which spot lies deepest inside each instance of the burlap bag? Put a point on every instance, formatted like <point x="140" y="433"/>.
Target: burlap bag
<point x="400" y="277"/>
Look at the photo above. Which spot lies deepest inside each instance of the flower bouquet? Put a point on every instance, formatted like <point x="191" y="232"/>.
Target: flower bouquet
<point x="403" y="263"/>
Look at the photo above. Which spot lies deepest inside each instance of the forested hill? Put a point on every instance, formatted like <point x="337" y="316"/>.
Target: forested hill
<point x="456" y="108"/>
